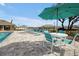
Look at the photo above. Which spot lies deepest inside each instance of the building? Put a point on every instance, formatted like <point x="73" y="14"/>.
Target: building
<point x="23" y="27"/>
<point x="5" y="25"/>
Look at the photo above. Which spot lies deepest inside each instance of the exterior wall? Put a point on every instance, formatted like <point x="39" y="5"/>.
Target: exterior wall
<point x="6" y="27"/>
<point x="1" y="28"/>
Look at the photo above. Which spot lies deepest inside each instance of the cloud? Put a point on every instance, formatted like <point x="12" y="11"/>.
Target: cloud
<point x="4" y="15"/>
<point x="2" y="4"/>
<point x="31" y="22"/>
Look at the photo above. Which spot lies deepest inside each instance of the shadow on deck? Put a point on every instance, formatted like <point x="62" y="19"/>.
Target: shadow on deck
<point x="28" y="49"/>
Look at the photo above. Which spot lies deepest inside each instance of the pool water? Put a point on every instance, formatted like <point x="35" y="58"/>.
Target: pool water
<point x="3" y="35"/>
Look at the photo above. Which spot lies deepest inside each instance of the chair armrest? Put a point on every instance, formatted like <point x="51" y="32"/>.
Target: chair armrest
<point x="76" y="36"/>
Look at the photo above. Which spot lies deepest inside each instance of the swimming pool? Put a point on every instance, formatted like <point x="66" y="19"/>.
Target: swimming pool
<point x="3" y="35"/>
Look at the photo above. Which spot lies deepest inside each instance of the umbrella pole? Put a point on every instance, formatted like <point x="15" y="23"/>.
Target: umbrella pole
<point x="57" y="21"/>
<point x="57" y="26"/>
<point x="54" y="25"/>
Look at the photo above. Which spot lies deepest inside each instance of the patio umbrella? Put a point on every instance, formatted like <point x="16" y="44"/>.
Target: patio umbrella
<point x="60" y="11"/>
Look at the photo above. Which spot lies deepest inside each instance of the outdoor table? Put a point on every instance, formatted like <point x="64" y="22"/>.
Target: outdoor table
<point x="59" y="37"/>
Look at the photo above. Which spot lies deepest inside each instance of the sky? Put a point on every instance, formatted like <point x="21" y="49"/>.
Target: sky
<point x="25" y="13"/>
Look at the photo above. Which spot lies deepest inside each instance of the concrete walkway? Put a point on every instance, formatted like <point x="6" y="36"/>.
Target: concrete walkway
<point x="21" y="43"/>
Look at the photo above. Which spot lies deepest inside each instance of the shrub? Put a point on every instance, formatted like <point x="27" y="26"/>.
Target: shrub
<point x="51" y="30"/>
<point x="71" y="32"/>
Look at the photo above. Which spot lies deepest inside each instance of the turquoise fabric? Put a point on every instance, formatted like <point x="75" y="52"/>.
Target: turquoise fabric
<point x="60" y="11"/>
<point x="67" y="41"/>
<point x="49" y="37"/>
<point x="61" y="31"/>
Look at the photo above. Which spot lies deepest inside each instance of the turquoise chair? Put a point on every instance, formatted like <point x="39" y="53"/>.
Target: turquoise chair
<point x="61" y="31"/>
<point x="50" y="39"/>
<point x="48" y="36"/>
<point x="69" y="42"/>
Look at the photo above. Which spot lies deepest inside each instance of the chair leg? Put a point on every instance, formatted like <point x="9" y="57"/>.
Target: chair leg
<point x="51" y="48"/>
<point x="75" y="54"/>
<point x="60" y="50"/>
<point x="43" y="43"/>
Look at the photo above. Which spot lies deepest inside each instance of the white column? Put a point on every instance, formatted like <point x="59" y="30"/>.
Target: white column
<point x="11" y="27"/>
<point x="3" y="28"/>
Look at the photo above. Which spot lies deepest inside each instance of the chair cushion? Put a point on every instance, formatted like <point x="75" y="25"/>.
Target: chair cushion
<point x="61" y="31"/>
<point x="49" y="37"/>
<point x="67" y="41"/>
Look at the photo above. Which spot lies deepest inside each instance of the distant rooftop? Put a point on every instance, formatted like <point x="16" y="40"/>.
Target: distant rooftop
<point x="3" y="22"/>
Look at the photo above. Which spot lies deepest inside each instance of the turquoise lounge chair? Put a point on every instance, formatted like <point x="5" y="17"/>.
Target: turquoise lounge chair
<point x="70" y="43"/>
<point x="50" y="39"/>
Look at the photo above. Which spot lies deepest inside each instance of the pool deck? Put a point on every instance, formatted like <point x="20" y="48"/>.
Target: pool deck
<point x="21" y="36"/>
<point x="21" y="43"/>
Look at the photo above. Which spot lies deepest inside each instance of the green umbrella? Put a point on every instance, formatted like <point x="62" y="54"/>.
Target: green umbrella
<point x="60" y="11"/>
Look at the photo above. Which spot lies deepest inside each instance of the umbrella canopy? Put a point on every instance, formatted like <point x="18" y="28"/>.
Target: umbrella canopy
<point x="60" y="11"/>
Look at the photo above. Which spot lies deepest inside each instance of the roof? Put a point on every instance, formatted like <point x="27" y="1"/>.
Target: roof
<point x="3" y="22"/>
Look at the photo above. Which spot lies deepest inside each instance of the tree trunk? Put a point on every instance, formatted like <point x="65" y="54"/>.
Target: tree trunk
<point x="70" y="20"/>
<point x="71" y="25"/>
<point x="62" y="25"/>
<point x="62" y="21"/>
<point x="74" y="21"/>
